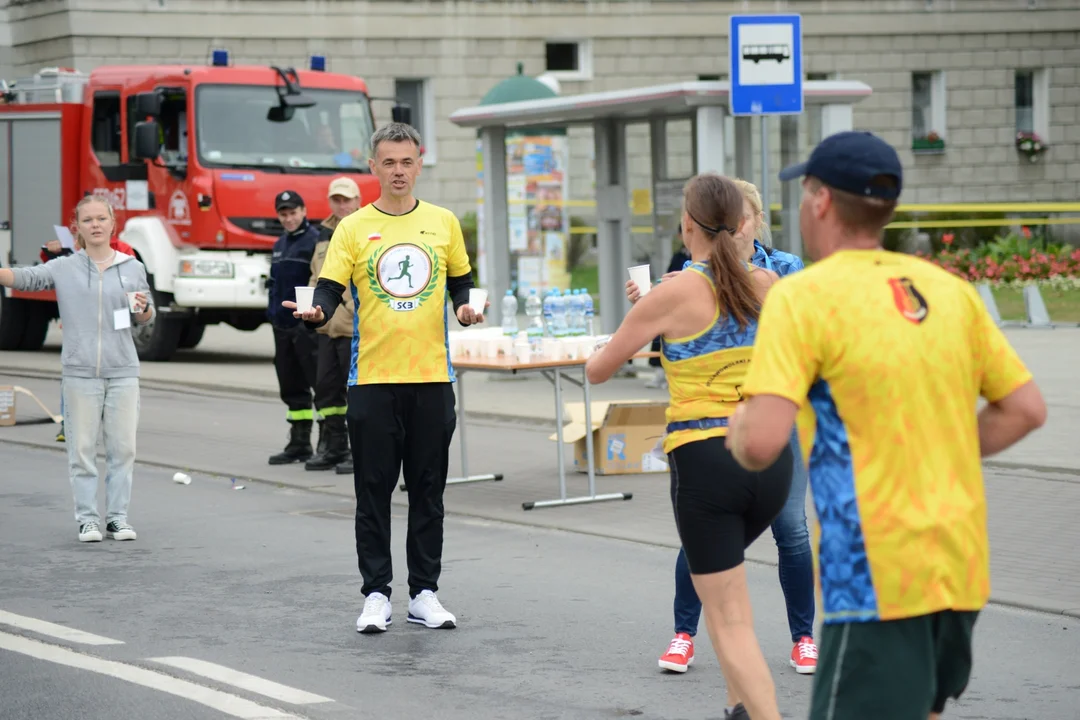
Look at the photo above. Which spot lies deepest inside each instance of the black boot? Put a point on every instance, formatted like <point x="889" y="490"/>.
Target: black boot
<point x="299" y="447"/>
<point x="333" y="444"/>
<point x="345" y="468"/>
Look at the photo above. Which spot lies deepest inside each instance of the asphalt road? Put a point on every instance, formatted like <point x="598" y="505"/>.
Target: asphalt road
<point x="263" y="581"/>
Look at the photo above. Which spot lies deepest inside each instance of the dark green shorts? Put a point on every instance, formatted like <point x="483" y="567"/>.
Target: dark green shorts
<point x="892" y="670"/>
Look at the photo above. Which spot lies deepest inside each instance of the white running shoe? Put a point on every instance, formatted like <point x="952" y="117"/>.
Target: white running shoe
<point x="426" y="610"/>
<point x="376" y="614"/>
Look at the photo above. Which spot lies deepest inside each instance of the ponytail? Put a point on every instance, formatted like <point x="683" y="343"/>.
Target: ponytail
<point x="736" y="293"/>
<point x="714" y="203"/>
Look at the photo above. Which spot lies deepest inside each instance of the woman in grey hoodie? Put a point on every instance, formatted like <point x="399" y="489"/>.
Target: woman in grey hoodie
<point x="99" y="291"/>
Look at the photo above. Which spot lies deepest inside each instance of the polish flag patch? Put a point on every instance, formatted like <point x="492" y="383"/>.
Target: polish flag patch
<point x="374" y="236"/>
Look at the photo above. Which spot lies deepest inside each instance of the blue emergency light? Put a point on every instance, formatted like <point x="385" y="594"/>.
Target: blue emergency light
<point x="219" y="58"/>
<point x="318" y="63"/>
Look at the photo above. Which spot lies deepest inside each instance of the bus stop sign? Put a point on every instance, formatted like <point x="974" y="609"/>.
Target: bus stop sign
<point x="766" y="64"/>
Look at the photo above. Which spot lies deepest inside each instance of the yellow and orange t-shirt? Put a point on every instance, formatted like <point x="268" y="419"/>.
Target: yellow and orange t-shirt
<point x="397" y="266"/>
<point x="887" y="355"/>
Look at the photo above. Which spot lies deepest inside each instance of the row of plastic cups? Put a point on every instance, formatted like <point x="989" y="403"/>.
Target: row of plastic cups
<point x="491" y="344"/>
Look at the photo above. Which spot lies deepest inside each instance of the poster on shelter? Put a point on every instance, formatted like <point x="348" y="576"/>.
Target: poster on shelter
<point x="538" y="224"/>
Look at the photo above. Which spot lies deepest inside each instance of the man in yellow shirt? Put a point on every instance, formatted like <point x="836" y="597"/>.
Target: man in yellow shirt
<point x="882" y="357"/>
<point x="400" y="258"/>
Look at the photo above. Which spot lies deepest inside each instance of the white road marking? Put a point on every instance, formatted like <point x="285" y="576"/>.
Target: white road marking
<point x="251" y="683"/>
<point x="60" y="632"/>
<point x="223" y="702"/>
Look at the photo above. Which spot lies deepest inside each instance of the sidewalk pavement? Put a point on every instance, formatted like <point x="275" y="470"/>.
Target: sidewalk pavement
<point x="232" y="361"/>
<point x="217" y="436"/>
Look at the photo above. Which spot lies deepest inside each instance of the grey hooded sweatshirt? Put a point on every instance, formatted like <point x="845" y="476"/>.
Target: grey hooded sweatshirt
<point x="89" y="302"/>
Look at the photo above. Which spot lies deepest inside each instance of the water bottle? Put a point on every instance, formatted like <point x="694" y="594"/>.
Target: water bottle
<point x="509" y="314"/>
<point x="549" y="314"/>
<point x="576" y="314"/>
<point x="590" y="312"/>
<point x="534" y="311"/>
<point x="558" y="314"/>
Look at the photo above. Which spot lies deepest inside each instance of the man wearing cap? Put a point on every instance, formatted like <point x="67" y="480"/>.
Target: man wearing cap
<point x="335" y="345"/>
<point x="882" y="358"/>
<point x="295" y="347"/>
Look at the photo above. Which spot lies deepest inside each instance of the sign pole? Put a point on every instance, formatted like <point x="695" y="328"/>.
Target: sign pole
<point x="766" y="72"/>
<point x="765" y="169"/>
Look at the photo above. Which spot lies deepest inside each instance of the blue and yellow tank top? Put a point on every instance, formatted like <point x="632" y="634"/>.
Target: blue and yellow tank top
<point x="705" y="373"/>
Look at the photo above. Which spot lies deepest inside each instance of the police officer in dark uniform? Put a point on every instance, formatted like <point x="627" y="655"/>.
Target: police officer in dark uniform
<point x="295" y="346"/>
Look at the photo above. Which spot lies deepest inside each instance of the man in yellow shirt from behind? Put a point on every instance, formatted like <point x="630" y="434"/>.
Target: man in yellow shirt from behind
<point x="882" y="357"/>
<point x="400" y="258"/>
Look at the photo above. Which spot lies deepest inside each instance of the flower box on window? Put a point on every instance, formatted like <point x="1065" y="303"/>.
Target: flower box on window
<point x="1030" y="144"/>
<point x="932" y="143"/>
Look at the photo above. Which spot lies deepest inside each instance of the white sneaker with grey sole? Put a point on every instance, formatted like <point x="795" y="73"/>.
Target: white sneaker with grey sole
<point x="425" y="609"/>
<point x="375" y="616"/>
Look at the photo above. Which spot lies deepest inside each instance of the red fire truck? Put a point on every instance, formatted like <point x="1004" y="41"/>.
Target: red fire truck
<point x="191" y="158"/>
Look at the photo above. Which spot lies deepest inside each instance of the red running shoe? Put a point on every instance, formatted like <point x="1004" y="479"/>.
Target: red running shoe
<point x="804" y="656"/>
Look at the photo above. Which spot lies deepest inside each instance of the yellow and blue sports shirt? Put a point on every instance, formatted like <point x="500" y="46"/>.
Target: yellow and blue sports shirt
<point x="705" y="373"/>
<point x="887" y="355"/>
<point x="397" y="266"/>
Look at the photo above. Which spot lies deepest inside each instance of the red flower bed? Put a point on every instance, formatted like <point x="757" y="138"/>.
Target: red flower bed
<point x="1034" y="265"/>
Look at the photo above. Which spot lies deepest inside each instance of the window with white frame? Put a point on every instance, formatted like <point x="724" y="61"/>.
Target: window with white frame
<point x="1033" y="102"/>
<point x="928" y="111"/>
<point x="568" y="59"/>
<point x="418" y="94"/>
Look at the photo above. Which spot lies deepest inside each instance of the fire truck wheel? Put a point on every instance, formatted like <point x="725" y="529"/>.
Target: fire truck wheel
<point x="157" y="340"/>
<point x="192" y="334"/>
<point x="13" y="316"/>
<point x="38" y="315"/>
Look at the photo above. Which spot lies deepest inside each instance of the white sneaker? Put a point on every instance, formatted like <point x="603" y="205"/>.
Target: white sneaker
<point x="376" y="614"/>
<point x="426" y="610"/>
<point x="90" y="532"/>
<point x="120" y="530"/>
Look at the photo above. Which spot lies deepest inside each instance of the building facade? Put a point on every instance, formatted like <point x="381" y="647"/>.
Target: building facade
<point x="954" y="81"/>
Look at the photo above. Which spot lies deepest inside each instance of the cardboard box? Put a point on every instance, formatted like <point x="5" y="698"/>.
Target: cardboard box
<point x="7" y="404"/>
<point x="625" y="434"/>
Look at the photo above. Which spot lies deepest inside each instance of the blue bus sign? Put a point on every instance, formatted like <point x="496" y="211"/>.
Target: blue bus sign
<point x="765" y="64"/>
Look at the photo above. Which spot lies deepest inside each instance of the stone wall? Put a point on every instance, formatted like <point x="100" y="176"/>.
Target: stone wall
<point x="466" y="47"/>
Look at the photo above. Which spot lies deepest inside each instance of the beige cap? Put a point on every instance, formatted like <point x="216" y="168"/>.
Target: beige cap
<point x="346" y="187"/>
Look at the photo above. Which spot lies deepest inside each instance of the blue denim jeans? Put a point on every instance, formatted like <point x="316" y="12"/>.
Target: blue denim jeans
<point x="796" y="563"/>
<point x="91" y="404"/>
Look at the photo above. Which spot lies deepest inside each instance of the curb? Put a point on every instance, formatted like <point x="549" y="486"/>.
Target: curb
<point x="527" y="421"/>
<point x="1005" y="601"/>
<point x="218" y="390"/>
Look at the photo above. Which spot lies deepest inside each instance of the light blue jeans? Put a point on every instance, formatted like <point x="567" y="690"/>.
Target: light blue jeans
<point x="91" y="404"/>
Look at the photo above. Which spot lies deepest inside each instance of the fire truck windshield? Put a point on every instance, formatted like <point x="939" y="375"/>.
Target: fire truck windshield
<point x="232" y="130"/>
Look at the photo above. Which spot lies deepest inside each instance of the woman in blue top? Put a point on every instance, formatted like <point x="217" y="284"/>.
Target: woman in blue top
<point x="789" y="529"/>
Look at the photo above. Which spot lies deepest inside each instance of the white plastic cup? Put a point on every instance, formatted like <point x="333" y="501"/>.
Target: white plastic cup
<point x="181" y="479"/>
<point x="523" y="352"/>
<point x="569" y="349"/>
<point x="305" y="297"/>
<point x="477" y="299"/>
<point x="549" y="348"/>
<point x="641" y="275"/>
<point x="133" y="301"/>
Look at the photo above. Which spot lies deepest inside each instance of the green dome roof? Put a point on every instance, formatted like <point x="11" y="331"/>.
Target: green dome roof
<point x="519" y="88"/>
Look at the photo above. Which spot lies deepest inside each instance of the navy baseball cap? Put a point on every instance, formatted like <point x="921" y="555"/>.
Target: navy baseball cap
<point x="288" y="199"/>
<point x="849" y="161"/>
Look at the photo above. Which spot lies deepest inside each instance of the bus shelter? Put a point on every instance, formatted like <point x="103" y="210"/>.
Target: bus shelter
<point x="829" y="105"/>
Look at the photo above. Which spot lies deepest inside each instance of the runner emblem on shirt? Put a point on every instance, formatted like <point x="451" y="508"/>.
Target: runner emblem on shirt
<point x="403" y="275"/>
